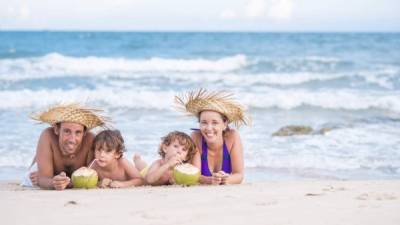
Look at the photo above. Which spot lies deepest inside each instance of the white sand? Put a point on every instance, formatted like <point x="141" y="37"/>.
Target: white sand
<point x="275" y="203"/>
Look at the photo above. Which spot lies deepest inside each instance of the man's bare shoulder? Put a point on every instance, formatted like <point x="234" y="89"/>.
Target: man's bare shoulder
<point x="88" y="139"/>
<point x="90" y="136"/>
<point x="48" y="135"/>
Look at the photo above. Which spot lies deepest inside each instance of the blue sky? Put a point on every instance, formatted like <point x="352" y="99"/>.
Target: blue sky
<point x="204" y="15"/>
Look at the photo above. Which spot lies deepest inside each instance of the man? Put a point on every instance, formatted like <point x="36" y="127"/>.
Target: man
<point x="66" y="146"/>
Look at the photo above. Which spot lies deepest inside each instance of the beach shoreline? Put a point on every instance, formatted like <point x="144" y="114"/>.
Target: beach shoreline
<point x="274" y="202"/>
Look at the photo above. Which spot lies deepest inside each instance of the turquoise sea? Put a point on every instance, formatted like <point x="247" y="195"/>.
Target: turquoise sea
<point x="347" y="82"/>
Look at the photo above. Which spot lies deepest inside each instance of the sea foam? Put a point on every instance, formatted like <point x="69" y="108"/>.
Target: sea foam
<point x="150" y="99"/>
<point x="56" y="64"/>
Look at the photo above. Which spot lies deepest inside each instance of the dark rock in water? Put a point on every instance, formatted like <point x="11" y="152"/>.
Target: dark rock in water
<point x="302" y="130"/>
<point x="323" y="130"/>
<point x="293" y="130"/>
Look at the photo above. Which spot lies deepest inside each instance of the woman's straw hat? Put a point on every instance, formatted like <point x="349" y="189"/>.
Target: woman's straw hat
<point x="195" y="102"/>
<point x="74" y="113"/>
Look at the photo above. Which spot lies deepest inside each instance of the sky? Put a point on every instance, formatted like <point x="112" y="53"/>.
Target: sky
<point x="202" y="15"/>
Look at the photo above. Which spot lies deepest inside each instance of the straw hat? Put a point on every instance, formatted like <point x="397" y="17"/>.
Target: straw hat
<point x="195" y="102"/>
<point x="74" y="113"/>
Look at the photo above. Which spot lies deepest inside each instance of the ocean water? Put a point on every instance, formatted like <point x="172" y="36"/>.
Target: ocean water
<point x="347" y="82"/>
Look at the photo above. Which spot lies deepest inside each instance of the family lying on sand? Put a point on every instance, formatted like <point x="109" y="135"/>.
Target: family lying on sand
<point x="214" y="148"/>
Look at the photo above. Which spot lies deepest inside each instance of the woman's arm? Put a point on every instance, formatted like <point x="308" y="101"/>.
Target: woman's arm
<point x="237" y="162"/>
<point x="196" y="160"/>
<point x="210" y="180"/>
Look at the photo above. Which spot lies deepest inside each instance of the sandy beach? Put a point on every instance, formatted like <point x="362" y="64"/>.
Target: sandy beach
<point x="284" y="202"/>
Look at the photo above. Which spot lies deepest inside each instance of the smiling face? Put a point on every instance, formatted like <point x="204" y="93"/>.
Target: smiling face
<point x="70" y="136"/>
<point x="212" y="125"/>
<point x="175" y="148"/>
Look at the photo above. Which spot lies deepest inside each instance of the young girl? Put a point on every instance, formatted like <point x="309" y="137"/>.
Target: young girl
<point x="177" y="147"/>
<point x="113" y="170"/>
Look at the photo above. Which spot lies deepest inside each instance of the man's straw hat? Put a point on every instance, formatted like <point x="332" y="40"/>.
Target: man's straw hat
<point x="74" y="113"/>
<point x="195" y="102"/>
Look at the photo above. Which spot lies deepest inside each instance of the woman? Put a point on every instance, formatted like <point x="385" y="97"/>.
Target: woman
<point x="220" y="150"/>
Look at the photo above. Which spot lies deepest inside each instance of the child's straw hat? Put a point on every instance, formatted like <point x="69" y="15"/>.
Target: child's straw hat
<point x="195" y="102"/>
<point x="74" y="113"/>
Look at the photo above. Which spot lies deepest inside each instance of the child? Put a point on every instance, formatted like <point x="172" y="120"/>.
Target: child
<point x="177" y="147"/>
<point x="113" y="170"/>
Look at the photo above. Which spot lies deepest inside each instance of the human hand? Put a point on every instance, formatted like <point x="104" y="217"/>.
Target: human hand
<point x="171" y="180"/>
<point x="219" y="177"/>
<point x="34" y="177"/>
<point x="61" y="181"/>
<point x="216" y="179"/>
<point x="116" y="184"/>
<point x="105" y="183"/>
<point x="174" y="160"/>
<point x="224" y="177"/>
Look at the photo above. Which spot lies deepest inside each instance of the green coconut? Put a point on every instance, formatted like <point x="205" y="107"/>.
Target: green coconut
<point x="84" y="178"/>
<point x="186" y="174"/>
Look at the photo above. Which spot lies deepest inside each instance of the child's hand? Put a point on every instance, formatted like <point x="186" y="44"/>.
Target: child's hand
<point x="171" y="180"/>
<point x="173" y="161"/>
<point x="105" y="183"/>
<point x="116" y="184"/>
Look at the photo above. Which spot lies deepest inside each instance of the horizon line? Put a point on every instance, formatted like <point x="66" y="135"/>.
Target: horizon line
<point x="198" y="31"/>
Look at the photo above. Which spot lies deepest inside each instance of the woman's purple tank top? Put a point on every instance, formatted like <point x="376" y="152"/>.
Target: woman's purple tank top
<point x="226" y="160"/>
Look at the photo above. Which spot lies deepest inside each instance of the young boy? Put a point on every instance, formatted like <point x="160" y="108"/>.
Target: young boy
<point x="175" y="148"/>
<point x="113" y="170"/>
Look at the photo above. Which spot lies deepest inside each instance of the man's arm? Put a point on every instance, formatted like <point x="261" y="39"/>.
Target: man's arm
<point x="89" y="137"/>
<point x="44" y="157"/>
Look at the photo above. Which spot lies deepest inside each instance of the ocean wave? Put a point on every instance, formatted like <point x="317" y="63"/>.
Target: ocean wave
<point x="55" y="64"/>
<point x="233" y="70"/>
<point x="269" y="98"/>
<point x="365" y="146"/>
<point x="102" y="97"/>
<point x="296" y="64"/>
<point x="385" y="79"/>
<point x="344" y="99"/>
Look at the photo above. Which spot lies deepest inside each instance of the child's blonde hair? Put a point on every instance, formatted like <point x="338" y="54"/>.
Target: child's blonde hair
<point x="112" y="139"/>
<point x="183" y="139"/>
